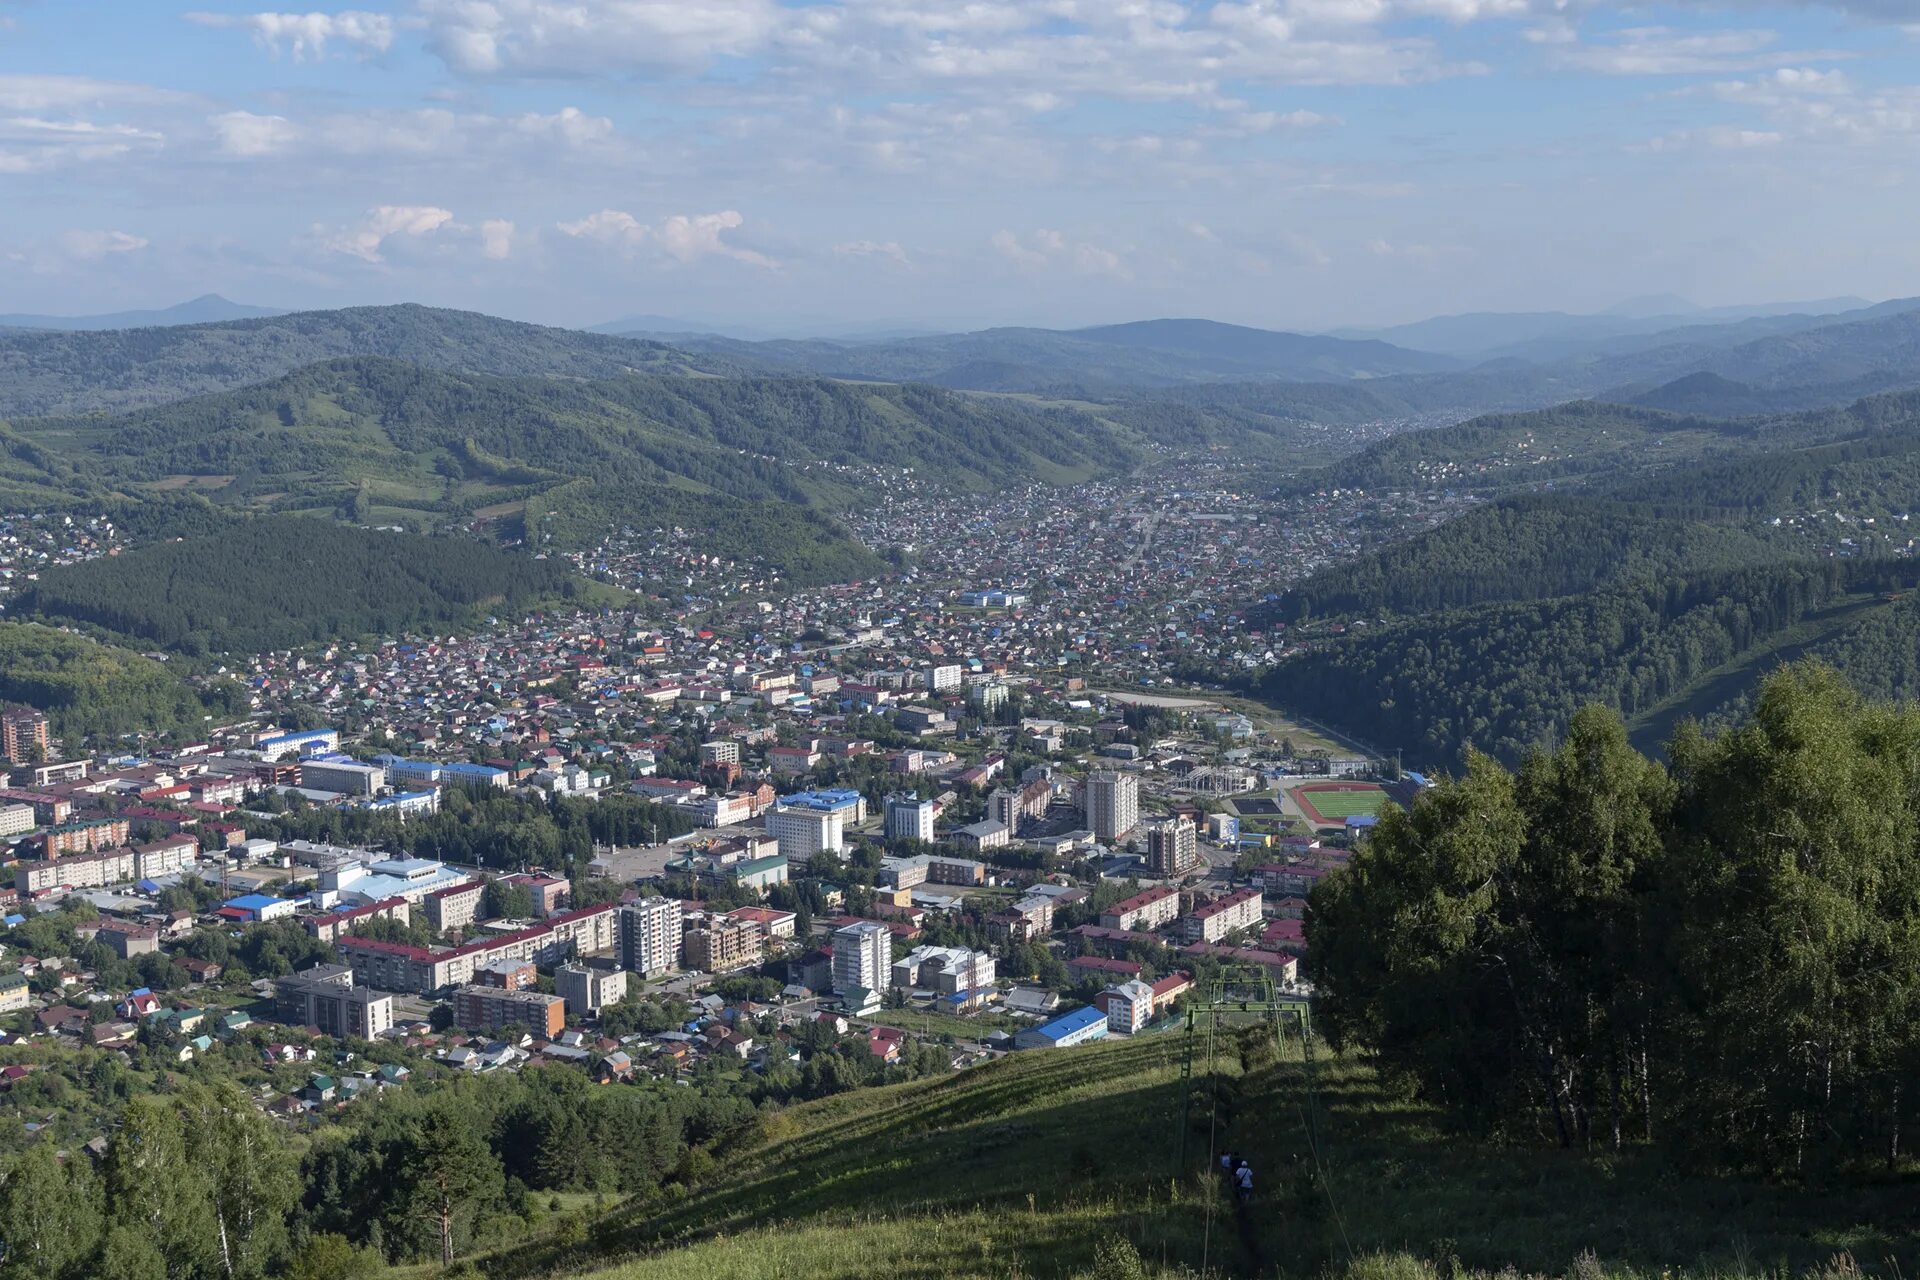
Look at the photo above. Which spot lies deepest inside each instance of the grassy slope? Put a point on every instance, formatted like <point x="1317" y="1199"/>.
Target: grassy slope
<point x="1024" y="1167"/>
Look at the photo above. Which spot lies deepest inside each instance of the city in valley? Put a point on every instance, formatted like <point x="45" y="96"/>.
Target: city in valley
<point x="960" y="640"/>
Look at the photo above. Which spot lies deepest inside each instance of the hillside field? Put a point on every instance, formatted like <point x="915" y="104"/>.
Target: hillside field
<point x="1040" y="1164"/>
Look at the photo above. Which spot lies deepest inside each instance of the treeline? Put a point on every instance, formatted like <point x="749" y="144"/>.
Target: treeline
<point x="1718" y="958"/>
<point x="1505" y="678"/>
<point x="196" y="1183"/>
<point x="492" y="829"/>
<point x="282" y="581"/>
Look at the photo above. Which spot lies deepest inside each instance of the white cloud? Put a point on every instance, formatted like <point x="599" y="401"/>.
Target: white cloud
<point x="75" y="93"/>
<point x="307" y="34"/>
<point x="366" y="240"/>
<point x="888" y="249"/>
<point x="31" y="144"/>
<point x="91" y="246"/>
<point x="496" y="236"/>
<point x="1046" y="248"/>
<point x="1663" y="51"/>
<point x="576" y="37"/>
<point x="241" y="133"/>
<point x="683" y="237"/>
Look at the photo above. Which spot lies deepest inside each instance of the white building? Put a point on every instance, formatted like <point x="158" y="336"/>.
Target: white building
<point x="649" y="935"/>
<point x="862" y="957"/>
<point x="909" y="817"/>
<point x="946" y="970"/>
<point x="1129" y="1006"/>
<point x="945" y="677"/>
<point x="803" y="832"/>
<point x="347" y="777"/>
<point x="586" y="990"/>
<point x="1113" y="804"/>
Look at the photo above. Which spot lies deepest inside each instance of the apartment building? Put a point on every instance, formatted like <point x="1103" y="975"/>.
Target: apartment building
<point x="23" y="734"/>
<point x="324" y="997"/>
<point x="1113" y="804"/>
<point x="1173" y="847"/>
<point x="588" y="990"/>
<point x="724" y="944"/>
<point x="1222" y="917"/>
<point x="862" y="957"/>
<point x="491" y="1008"/>
<point x="456" y="906"/>
<point x="1145" y="911"/>
<point x="395" y="966"/>
<point x="909" y="817"/>
<point x="649" y="935"/>
<point x="80" y="871"/>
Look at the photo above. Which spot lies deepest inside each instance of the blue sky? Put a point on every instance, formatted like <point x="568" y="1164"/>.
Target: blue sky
<point x="834" y="163"/>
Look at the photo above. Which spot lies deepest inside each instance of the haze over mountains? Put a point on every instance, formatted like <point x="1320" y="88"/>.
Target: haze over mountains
<point x="206" y="309"/>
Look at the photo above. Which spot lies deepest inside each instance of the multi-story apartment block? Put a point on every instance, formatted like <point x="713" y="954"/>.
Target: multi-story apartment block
<point x="1113" y="804"/>
<point x="587" y="990"/>
<point x="454" y="907"/>
<point x="909" y="817"/>
<point x="862" y="957"/>
<point x="23" y="733"/>
<point x="491" y="1008"/>
<point x="649" y="935"/>
<point x="724" y="944"/>
<point x="325" y="997"/>
<point x="1222" y="917"/>
<point x="1173" y="847"/>
<point x="1145" y="911"/>
<point x="395" y="966"/>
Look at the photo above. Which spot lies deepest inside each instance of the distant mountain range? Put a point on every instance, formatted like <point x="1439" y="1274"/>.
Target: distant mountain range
<point x="209" y="308"/>
<point x="1106" y="358"/>
<point x="52" y="373"/>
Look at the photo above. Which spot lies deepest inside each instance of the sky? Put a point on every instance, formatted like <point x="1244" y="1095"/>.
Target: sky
<point x="850" y="165"/>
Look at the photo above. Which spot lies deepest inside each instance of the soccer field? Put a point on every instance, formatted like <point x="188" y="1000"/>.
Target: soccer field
<point x="1338" y="806"/>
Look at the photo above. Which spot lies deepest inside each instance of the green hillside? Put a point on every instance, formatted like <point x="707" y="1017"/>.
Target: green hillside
<point x="1064" y="1164"/>
<point x="279" y="581"/>
<point x="98" y="691"/>
<point x="59" y="373"/>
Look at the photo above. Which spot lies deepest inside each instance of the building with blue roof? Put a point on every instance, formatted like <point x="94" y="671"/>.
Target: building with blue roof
<point x="1065" y="1031"/>
<point x="841" y="800"/>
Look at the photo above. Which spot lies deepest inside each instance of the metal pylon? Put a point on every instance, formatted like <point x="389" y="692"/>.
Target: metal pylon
<point x="1235" y="1000"/>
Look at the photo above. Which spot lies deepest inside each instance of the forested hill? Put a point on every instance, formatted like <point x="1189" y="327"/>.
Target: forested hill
<point x="272" y="583"/>
<point x="1589" y="441"/>
<point x="384" y="421"/>
<point x="1663" y="589"/>
<point x="67" y="372"/>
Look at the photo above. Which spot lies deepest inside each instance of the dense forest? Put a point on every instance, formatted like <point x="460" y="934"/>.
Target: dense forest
<point x="1525" y="548"/>
<point x="280" y="581"/>
<point x="1505" y="678"/>
<point x="807" y="547"/>
<point x="45" y="372"/>
<point x="97" y="691"/>
<point x="197" y="1184"/>
<point x="1718" y="958"/>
